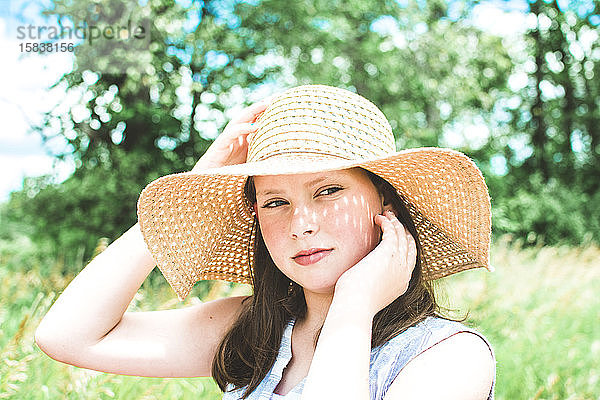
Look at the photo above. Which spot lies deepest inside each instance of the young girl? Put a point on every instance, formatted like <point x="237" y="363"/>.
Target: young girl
<point x="339" y="235"/>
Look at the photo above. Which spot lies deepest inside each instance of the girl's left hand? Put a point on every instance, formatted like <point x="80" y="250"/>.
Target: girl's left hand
<point x="383" y="274"/>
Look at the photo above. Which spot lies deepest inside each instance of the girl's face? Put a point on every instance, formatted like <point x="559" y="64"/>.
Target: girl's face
<point x="318" y="225"/>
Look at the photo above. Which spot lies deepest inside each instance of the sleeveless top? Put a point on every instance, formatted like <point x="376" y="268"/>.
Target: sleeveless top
<point x="386" y="360"/>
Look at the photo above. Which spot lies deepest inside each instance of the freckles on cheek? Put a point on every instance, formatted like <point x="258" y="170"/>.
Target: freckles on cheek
<point x="359" y="223"/>
<point x="372" y="230"/>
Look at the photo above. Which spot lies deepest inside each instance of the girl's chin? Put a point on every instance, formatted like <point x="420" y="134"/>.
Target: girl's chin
<point x="322" y="286"/>
<point x="319" y="281"/>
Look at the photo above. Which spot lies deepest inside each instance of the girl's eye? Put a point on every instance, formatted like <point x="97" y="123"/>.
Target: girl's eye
<point x="273" y="204"/>
<point x="330" y="190"/>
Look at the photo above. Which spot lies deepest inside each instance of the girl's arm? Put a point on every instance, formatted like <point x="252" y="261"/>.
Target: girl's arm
<point x="340" y="365"/>
<point x="88" y="325"/>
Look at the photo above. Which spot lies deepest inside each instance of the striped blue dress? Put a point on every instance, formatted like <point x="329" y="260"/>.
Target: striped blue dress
<point x="386" y="360"/>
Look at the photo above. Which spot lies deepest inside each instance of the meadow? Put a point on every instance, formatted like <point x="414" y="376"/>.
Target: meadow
<point x="540" y="309"/>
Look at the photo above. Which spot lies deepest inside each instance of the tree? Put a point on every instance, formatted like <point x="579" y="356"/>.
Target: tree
<point x="559" y="108"/>
<point x="553" y="149"/>
<point x="425" y="68"/>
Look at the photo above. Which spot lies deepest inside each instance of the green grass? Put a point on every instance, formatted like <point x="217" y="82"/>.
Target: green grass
<point x="540" y="310"/>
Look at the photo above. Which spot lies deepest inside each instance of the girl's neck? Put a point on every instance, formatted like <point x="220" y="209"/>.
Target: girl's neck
<point x="317" y="306"/>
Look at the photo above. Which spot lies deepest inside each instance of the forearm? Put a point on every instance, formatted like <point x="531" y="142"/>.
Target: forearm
<point x="340" y="366"/>
<point x="95" y="301"/>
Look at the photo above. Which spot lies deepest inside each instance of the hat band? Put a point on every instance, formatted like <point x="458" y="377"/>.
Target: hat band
<point x="303" y="154"/>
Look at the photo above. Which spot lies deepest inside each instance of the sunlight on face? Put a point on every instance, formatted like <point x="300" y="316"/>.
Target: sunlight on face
<point x="318" y="225"/>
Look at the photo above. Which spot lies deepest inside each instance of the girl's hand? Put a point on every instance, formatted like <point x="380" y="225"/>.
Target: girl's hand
<point x="383" y="274"/>
<point x="231" y="146"/>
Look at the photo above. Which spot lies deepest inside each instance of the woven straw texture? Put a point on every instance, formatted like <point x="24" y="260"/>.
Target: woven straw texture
<point x="200" y="226"/>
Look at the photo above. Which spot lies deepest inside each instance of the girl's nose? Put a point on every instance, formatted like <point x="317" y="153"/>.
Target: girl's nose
<point x="303" y="223"/>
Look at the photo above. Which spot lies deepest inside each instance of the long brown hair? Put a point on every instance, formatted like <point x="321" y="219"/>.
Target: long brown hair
<point x="250" y="348"/>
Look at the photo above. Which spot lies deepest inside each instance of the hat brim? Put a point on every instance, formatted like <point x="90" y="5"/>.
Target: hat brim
<point x="200" y="226"/>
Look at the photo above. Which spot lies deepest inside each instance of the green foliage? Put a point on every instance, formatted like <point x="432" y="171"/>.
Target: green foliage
<point x="69" y="218"/>
<point x="538" y="212"/>
<point x="549" y="138"/>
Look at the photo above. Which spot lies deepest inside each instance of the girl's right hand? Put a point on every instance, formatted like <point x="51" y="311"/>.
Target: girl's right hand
<point x="231" y="146"/>
<point x="384" y="274"/>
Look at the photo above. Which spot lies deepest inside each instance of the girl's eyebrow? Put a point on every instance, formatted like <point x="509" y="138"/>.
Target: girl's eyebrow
<point x="267" y="192"/>
<point x="317" y="181"/>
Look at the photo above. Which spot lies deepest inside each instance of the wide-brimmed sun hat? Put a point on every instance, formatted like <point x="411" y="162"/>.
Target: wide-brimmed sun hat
<point x="199" y="225"/>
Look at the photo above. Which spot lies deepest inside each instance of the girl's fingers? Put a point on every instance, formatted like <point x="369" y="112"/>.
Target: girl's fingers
<point x="406" y="242"/>
<point x="243" y="132"/>
<point x="236" y="133"/>
<point x="400" y="232"/>
<point x="389" y="232"/>
<point x="389" y="238"/>
<point x="245" y="128"/>
<point x="250" y="113"/>
<point x="233" y="130"/>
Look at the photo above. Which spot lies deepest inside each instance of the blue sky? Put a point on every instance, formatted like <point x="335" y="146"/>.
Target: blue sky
<point x="25" y="95"/>
<point x="23" y="99"/>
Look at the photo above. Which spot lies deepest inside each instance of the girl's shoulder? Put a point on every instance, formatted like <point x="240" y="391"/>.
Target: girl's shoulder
<point x="388" y="359"/>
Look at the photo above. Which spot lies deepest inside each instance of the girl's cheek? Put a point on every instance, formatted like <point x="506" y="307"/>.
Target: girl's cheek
<point x="269" y="231"/>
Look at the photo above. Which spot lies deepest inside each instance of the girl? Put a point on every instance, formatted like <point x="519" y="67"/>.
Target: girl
<point x="339" y="236"/>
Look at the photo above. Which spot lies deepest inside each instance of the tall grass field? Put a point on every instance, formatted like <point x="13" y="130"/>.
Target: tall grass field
<point x="540" y="309"/>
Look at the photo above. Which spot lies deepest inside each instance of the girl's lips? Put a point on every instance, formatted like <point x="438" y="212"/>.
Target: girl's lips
<point x="312" y="258"/>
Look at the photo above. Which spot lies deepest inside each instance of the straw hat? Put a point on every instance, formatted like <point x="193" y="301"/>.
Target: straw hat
<point x="200" y="226"/>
